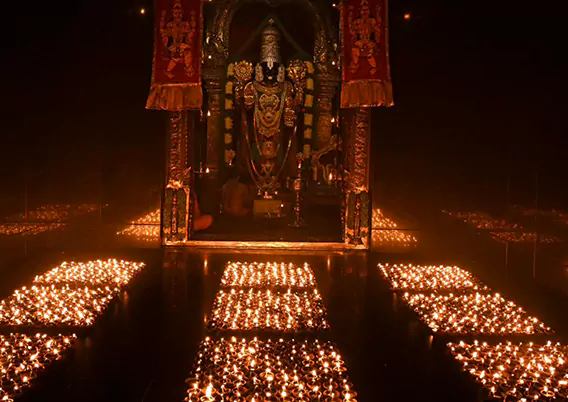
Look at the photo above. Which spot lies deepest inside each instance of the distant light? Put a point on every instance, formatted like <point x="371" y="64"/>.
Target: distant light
<point x="142" y="11"/>
<point x="407" y="16"/>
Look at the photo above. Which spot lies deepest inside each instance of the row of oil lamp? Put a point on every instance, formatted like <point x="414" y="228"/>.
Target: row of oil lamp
<point x="146" y="228"/>
<point x="474" y="313"/>
<point x="269" y="297"/>
<point x="72" y="294"/>
<point x="55" y="212"/>
<point x="386" y="231"/>
<point x="517" y="371"/>
<point x="92" y="273"/>
<point x="54" y="306"/>
<point x="412" y="277"/>
<point x="23" y="356"/>
<point x="524" y="237"/>
<point x="259" y="309"/>
<point x="516" y="234"/>
<point x="28" y="229"/>
<point x="45" y="218"/>
<point x="470" y="308"/>
<point x="261" y="275"/>
<point x="555" y="215"/>
<point x="483" y="221"/>
<point x="253" y="370"/>
<point x="510" y="372"/>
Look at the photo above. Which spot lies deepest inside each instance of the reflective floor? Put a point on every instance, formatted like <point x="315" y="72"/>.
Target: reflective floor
<point x="144" y="347"/>
<point x="146" y="343"/>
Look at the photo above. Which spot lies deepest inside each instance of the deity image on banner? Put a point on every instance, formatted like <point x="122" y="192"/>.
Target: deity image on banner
<point x="177" y="35"/>
<point x="366" y="78"/>
<point x="365" y="33"/>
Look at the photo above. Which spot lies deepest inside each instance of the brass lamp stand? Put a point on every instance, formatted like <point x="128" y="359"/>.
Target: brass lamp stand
<point x="299" y="221"/>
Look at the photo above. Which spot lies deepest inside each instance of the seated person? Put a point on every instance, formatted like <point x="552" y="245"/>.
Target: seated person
<point x="238" y="195"/>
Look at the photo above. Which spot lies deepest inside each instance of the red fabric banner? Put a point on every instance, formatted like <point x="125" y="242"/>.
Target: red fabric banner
<point x="366" y="69"/>
<point x="176" y="75"/>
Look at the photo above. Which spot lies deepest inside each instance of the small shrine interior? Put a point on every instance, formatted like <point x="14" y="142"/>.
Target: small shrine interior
<point x="268" y="139"/>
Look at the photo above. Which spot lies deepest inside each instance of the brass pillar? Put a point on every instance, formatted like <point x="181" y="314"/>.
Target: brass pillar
<point x="328" y="84"/>
<point x="357" y="195"/>
<point x="213" y="79"/>
<point x="177" y="201"/>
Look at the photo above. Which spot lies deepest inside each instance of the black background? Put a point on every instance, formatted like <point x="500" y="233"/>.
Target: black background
<point x="479" y="91"/>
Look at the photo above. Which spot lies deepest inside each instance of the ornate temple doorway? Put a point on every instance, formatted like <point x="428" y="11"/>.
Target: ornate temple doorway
<point x="269" y="142"/>
<point x="266" y="190"/>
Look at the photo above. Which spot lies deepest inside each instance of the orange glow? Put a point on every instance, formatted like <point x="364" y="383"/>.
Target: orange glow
<point x="268" y="310"/>
<point x="385" y="231"/>
<point x="255" y="370"/>
<point x="407" y="16"/>
<point x="474" y="313"/>
<point x="259" y="274"/>
<point x="517" y="371"/>
<point x="145" y="228"/>
<point x="23" y="357"/>
<point x="91" y="273"/>
<point x="421" y="277"/>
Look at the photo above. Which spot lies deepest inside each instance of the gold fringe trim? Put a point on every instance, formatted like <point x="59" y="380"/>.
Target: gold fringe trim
<point x="175" y="97"/>
<point x="366" y="93"/>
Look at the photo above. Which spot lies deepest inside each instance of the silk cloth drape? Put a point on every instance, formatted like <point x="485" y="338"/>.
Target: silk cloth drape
<point x="366" y="69"/>
<point x="176" y="72"/>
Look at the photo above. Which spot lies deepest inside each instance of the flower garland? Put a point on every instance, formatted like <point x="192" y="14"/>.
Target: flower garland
<point x="229" y="115"/>
<point x="308" y="110"/>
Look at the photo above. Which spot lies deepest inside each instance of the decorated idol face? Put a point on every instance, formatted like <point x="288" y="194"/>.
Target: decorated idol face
<point x="270" y="73"/>
<point x="177" y="14"/>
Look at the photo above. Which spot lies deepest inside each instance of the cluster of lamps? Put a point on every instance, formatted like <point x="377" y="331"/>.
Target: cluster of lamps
<point x="254" y="370"/>
<point x="502" y="230"/>
<point x="483" y="221"/>
<point x="56" y="212"/>
<point x="268" y="297"/>
<point x="92" y="273"/>
<point x="474" y="313"/>
<point x="45" y="218"/>
<point x="42" y="305"/>
<point x="23" y="357"/>
<point x="509" y="372"/>
<point x="146" y="228"/>
<point x="386" y="231"/>
<point x="262" y="275"/>
<point x="420" y="278"/>
<point x="260" y="309"/>
<point x="517" y="371"/>
<point x="524" y="237"/>
<point x="72" y="294"/>
<point x="28" y="229"/>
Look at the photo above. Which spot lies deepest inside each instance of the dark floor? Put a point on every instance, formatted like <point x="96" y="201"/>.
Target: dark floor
<point x="144" y="346"/>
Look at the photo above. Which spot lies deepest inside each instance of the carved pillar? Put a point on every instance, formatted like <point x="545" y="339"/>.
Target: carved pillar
<point x="328" y="84"/>
<point x="213" y="79"/>
<point x="357" y="201"/>
<point x="176" y="202"/>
